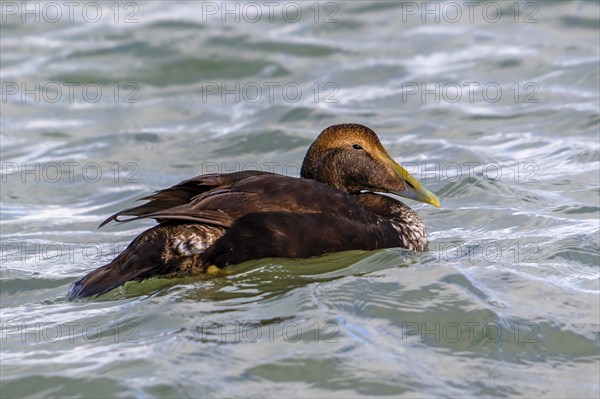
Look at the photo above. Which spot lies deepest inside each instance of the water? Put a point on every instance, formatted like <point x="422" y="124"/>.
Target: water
<point x="505" y="303"/>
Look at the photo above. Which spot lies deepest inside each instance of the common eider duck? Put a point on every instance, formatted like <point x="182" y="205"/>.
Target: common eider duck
<point x="227" y="218"/>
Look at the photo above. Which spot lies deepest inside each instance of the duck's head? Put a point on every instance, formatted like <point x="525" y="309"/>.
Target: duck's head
<point x="351" y="158"/>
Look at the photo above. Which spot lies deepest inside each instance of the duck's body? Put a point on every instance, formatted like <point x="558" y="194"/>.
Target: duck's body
<point x="225" y="219"/>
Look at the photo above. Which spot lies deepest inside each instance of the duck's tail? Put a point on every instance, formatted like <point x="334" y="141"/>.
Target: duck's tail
<point x="106" y="278"/>
<point x="162" y="250"/>
<point x="140" y="258"/>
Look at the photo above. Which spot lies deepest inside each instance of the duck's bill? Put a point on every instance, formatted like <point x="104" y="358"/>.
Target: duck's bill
<point x="413" y="188"/>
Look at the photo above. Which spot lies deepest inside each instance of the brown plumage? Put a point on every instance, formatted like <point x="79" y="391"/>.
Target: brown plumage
<point x="224" y="219"/>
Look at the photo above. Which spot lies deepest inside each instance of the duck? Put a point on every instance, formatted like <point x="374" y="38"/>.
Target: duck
<point x="345" y="199"/>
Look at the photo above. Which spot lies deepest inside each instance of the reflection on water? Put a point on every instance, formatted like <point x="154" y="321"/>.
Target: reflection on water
<point x="494" y="107"/>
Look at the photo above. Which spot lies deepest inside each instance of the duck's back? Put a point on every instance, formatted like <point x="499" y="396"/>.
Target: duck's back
<point x="221" y="199"/>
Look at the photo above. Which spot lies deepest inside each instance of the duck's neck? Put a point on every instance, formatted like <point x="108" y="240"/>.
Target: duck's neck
<point x="329" y="168"/>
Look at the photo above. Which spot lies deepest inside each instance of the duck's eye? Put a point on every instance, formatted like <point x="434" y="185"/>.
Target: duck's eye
<point x="357" y="147"/>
